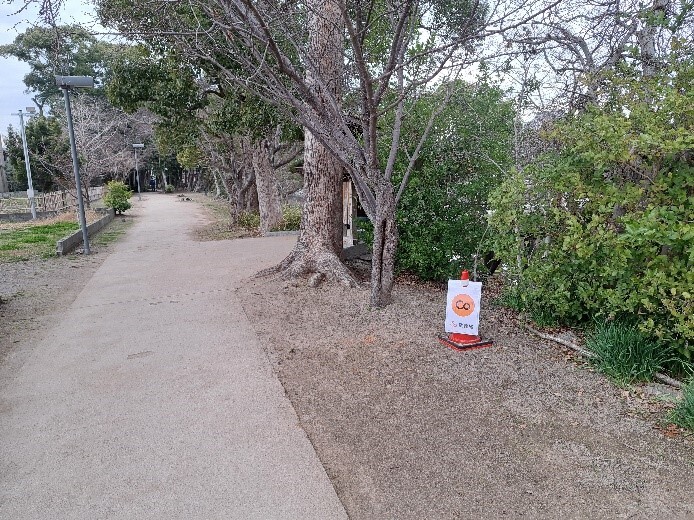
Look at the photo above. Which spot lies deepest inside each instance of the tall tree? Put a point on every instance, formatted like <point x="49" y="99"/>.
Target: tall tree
<point x="393" y="51"/>
<point x="48" y="150"/>
<point x="195" y="111"/>
<point x="60" y="50"/>
<point x="581" y="42"/>
<point x="320" y="241"/>
<point x="104" y="134"/>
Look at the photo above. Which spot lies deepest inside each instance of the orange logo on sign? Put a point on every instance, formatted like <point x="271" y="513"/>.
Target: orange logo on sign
<point x="463" y="305"/>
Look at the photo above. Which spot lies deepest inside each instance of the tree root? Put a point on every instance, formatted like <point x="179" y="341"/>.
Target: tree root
<point x="318" y="265"/>
<point x="587" y="353"/>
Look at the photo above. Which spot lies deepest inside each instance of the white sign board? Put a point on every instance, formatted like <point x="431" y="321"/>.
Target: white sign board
<point x="30" y="194"/>
<point x="463" y="307"/>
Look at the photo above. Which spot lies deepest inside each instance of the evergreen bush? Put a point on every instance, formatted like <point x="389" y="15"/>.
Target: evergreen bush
<point x="602" y="226"/>
<point x="442" y="215"/>
<point x="117" y="196"/>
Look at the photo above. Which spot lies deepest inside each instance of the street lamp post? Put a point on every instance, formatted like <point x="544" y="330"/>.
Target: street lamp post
<point x="137" y="146"/>
<point x="30" y="184"/>
<point x="66" y="83"/>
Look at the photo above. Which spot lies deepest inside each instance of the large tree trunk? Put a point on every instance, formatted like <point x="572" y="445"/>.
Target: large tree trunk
<point x="320" y="238"/>
<point x="269" y="202"/>
<point x="319" y="245"/>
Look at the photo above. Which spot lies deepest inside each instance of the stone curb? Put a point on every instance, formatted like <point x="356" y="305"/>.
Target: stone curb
<point x="281" y="233"/>
<point x="69" y="243"/>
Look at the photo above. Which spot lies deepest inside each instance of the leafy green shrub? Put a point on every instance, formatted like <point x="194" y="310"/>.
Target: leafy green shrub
<point x="117" y="196"/>
<point x="602" y="226"/>
<point x="442" y="214"/>
<point x="169" y="188"/>
<point x="291" y="218"/>
<point x="683" y="414"/>
<point x="625" y="354"/>
<point x="249" y="220"/>
<point x="365" y="230"/>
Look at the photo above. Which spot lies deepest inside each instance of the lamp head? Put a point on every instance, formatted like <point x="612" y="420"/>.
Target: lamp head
<point x="74" y="81"/>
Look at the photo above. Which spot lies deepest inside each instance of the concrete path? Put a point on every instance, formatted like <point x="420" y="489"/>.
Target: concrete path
<point x="152" y="398"/>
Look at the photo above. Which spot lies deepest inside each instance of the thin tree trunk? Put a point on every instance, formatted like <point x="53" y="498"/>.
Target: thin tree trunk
<point x="217" y="187"/>
<point x="269" y="202"/>
<point x="384" y="248"/>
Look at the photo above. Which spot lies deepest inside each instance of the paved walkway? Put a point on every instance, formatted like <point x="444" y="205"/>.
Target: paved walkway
<point x="153" y="399"/>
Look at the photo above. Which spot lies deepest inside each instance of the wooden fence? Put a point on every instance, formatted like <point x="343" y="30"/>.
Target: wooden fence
<point x="18" y="202"/>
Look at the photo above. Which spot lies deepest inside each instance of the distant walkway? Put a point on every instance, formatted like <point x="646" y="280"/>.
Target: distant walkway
<point x="152" y="398"/>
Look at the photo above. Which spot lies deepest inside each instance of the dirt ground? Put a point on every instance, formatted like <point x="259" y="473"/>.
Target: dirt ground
<point x="407" y="428"/>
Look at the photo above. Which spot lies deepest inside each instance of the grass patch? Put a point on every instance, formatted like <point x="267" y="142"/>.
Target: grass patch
<point x="112" y="232"/>
<point x="624" y="354"/>
<point x="21" y="241"/>
<point x="683" y="414"/>
<point x="32" y="240"/>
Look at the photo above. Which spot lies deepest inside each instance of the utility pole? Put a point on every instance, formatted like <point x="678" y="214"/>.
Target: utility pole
<point x="66" y="83"/>
<point x="4" y="186"/>
<point x="30" y="184"/>
<point x="137" y="146"/>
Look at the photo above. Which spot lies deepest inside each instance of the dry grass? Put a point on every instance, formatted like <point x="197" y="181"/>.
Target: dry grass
<point x="409" y="429"/>
<point x="219" y="224"/>
<point x="67" y="216"/>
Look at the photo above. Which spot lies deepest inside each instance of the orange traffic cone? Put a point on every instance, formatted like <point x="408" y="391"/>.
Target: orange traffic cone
<point x="460" y="342"/>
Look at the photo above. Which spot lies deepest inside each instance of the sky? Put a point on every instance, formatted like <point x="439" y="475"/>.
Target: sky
<point x="12" y="71"/>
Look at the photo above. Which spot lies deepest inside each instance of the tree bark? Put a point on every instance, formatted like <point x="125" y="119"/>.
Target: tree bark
<point x="384" y="247"/>
<point x="217" y="184"/>
<point x="269" y="202"/>
<point x="319" y="245"/>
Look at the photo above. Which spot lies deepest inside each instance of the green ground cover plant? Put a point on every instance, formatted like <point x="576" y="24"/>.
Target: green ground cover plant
<point x="683" y="414"/>
<point x="26" y="241"/>
<point x="249" y="220"/>
<point x="625" y="354"/>
<point x="291" y="218"/>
